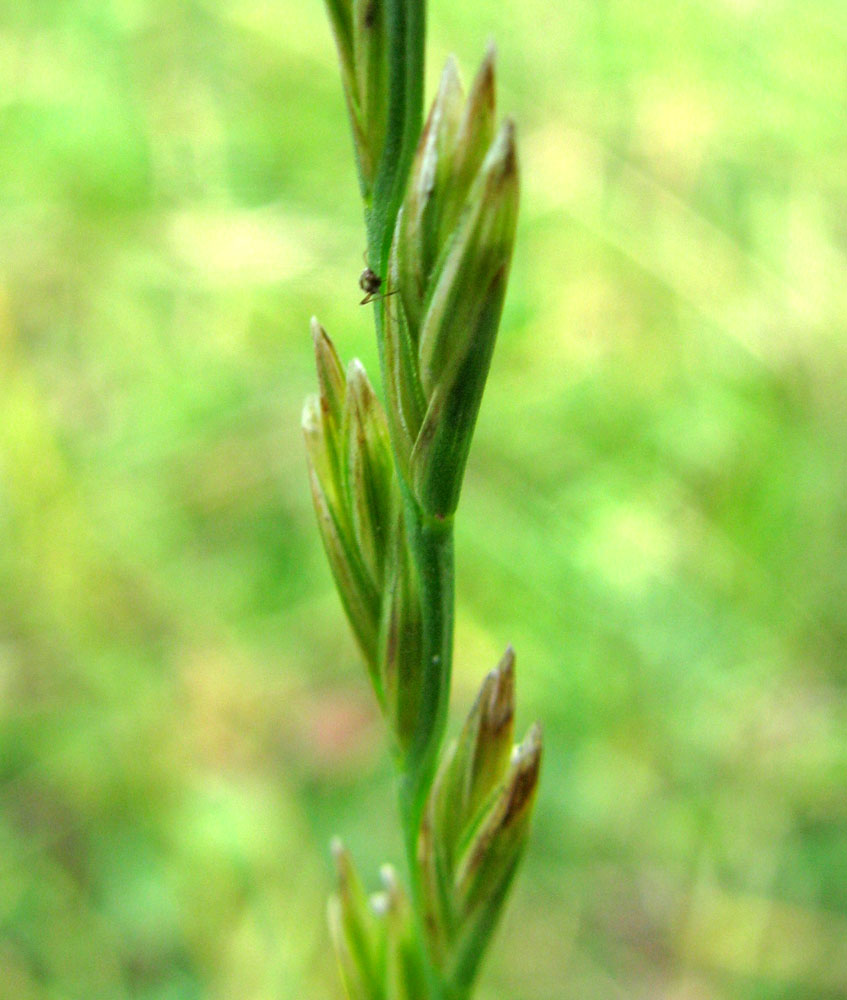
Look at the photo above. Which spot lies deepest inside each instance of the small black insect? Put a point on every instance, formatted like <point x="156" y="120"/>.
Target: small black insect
<point x="370" y="283"/>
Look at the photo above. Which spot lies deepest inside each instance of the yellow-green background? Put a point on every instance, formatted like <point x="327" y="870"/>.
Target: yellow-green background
<point x="654" y="512"/>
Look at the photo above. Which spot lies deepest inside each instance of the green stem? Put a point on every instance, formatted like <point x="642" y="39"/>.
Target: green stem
<point x="431" y="546"/>
<point x="406" y="26"/>
<point x="430" y="540"/>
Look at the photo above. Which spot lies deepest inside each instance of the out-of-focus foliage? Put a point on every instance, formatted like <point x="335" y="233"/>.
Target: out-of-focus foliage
<point x="655" y="512"/>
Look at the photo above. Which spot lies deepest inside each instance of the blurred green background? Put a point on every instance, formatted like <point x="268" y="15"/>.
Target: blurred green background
<point x="654" y="513"/>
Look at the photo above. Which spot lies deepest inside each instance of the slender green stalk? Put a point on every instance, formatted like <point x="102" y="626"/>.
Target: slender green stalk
<point x="431" y="544"/>
<point x="406" y="23"/>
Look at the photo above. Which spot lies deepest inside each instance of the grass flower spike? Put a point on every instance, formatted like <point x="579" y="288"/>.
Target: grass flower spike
<point x="361" y="40"/>
<point x="374" y="936"/>
<point x="449" y="261"/>
<point x="352" y="478"/>
<point x="440" y="205"/>
<point x="356" y="499"/>
<point x="474" y="828"/>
